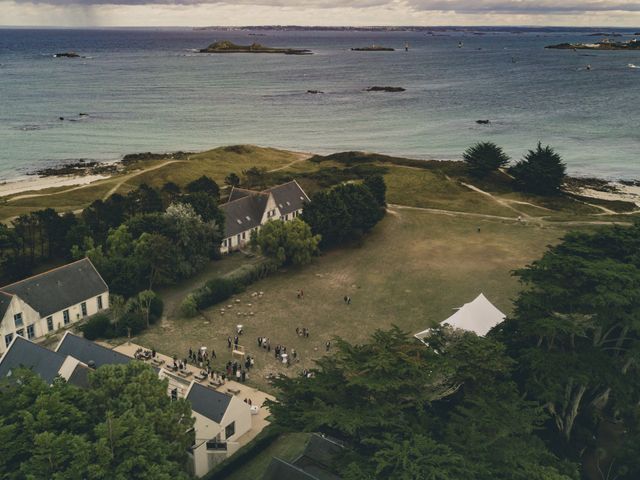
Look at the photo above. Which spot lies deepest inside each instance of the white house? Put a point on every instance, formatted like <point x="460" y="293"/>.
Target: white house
<point x="248" y="210"/>
<point x="220" y="419"/>
<point x="44" y="303"/>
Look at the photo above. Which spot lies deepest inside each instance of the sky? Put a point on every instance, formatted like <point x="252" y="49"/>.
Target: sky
<point x="70" y="13"/>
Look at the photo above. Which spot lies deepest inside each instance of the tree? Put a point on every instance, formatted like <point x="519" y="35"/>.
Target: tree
<point x="205" y="206"/>
<point x="541" y="171"/>
<point x="170" y="191"/>
<point x="123" y="425"/>
<point x="575" y="335"/>
<point x="145" y="299"/>
<point x="116" y="308"/>
<point x="375" y="184"/>
<point x="144" y="199"/>
<point x="232" y="180"/>
<point x="287" y="242"/>
<point x="206" y="185"/>
<point x="408" y="411"/>
<point x="484" y="158"/>
<point x="255" y="177"/>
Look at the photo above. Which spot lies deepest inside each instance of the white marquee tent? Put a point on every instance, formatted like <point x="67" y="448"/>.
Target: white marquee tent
<point x="478" y="316"/>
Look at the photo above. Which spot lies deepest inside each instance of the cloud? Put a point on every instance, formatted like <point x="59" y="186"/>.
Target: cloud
<point x="474" y="7"/>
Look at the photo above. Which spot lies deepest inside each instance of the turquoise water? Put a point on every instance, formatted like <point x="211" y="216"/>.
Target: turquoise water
<point x="146" y="90"/>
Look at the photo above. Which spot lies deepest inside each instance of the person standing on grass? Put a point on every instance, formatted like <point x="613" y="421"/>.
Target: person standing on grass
<point x="301" y="293"/>
<point x="327" y="345"/>
<point x="229" y="341"/>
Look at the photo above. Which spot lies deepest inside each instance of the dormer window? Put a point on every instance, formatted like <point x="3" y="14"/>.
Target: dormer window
<point x="288" y="203"/>
<point x="301" y="198"/>
<point x="280" y="205"/>
<point x="239" y="221"/>
<point x="248" y="218"/>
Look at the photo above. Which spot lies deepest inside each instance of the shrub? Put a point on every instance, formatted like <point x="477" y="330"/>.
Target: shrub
<point x="156" y="309"/>
<point x="189" y="306"/>
<point x="98" y="326"/>
<point x="131" y="320"/>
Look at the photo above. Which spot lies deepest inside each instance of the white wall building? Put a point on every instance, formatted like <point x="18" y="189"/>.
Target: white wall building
<point x="248" y="210"/>
<point x="40" y="305"/>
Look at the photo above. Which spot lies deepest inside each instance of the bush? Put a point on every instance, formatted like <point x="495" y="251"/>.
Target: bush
<point x="98" y="326"/>
<point x="189" y="306"/>
<point x="131" y="320"/>
<point x="248" y="274"/>
<point x="155" y="312"/>
<point x="215" y="291"/>
<point x="541" y="171"/>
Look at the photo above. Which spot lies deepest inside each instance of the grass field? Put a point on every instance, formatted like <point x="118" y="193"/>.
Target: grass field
<point x="412" y="271"/>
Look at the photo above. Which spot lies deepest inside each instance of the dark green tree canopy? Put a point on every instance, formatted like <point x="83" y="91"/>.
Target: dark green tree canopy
<point x="541" y="171"/>
<point x="233" y="180"/>
<point x="123" y="426"/>
<point x="484" y="158"/>
<point x="206" y="185"/>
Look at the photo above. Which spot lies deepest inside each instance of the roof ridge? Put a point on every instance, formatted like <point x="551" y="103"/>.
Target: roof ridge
<point x="242" y="198"/>
<point x="46" y="272"/>
<point x="281" y="185"/>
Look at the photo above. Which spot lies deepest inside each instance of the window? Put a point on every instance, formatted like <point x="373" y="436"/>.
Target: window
<point x="20" y="332"/>
<point x="50" y="324"/>
<point x="30" y="332"/>
<point x="7" y="339"/>
<point x="230" y="430"/>
<point x="83" y="307"/>
<point x="65" y="316"/>
<point x="224" y="243"/>
<point x="99" y="302"/>
<point x="286" y="217"/>
<point x="243" y="237"/>
<point x="17" y="318"/>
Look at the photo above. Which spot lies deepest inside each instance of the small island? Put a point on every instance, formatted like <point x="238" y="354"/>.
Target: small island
<point x="604" y="45"/>
<point x="373" y="48"/>
<point x="226" y="46"/>
<point x="66" y="55"/>
<point x="385" y="89"/>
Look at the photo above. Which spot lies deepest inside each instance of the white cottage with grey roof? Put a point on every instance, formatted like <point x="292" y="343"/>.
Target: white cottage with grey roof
<point x="248" y="210"/>
<point x="44" y="303"/>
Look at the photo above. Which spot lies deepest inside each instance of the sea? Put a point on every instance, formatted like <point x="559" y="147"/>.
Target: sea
<point x="142" y="90"/>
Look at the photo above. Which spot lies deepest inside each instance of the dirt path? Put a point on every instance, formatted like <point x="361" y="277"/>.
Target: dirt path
<point x="499" y="201"/>
<point x="129" y="176"/>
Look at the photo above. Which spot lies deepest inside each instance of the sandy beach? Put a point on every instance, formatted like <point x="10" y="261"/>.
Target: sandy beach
<point x="625" y="193"/>
<point x="40" y="183"/>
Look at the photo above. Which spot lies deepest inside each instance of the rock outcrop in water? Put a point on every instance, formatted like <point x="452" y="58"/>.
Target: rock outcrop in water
<point x="605" y="45"/>
<point x="66" y="55"/>
<point x="385" y="89"/>
<point x="226" y="46"/>
<point x="373" y="48"/>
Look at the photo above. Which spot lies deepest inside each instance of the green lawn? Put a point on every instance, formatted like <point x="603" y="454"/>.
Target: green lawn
<point x="287" y="447"/>
<point x="412" y="271"/>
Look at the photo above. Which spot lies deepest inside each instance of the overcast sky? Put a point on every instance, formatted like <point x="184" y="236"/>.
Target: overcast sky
<point x="319" y="12"/>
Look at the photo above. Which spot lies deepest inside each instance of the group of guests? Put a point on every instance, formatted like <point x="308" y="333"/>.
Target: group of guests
<point x="236" y="342"/>
<point x="264" y="342"/>
<point x="201" y="357"/>
<point x="302" y="332"/>
<point x="238" y="371"/>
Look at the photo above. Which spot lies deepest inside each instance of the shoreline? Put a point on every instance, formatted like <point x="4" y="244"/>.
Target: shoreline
<point x="587" y="186"/>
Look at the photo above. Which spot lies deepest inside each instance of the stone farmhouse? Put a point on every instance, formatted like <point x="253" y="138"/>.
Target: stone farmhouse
<point x="40" y="305"/>
<point x="247" y="210"/>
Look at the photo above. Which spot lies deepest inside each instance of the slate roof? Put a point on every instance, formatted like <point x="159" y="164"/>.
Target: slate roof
<point x="208" y="403"/>
<point x="60" y="288"/>
<point x="80" y="376"/>
<point x="279" y="470"/>
<point x="5" y="301"/>
<point x="319" y="457"/>
<point x="87" y="351"/>
<point x="243" y="213"/>
<point x="289" y="197"/>
<point x="237" y="193"/>
<point x="23" y="353"/>
<point x="244" y="203"/>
